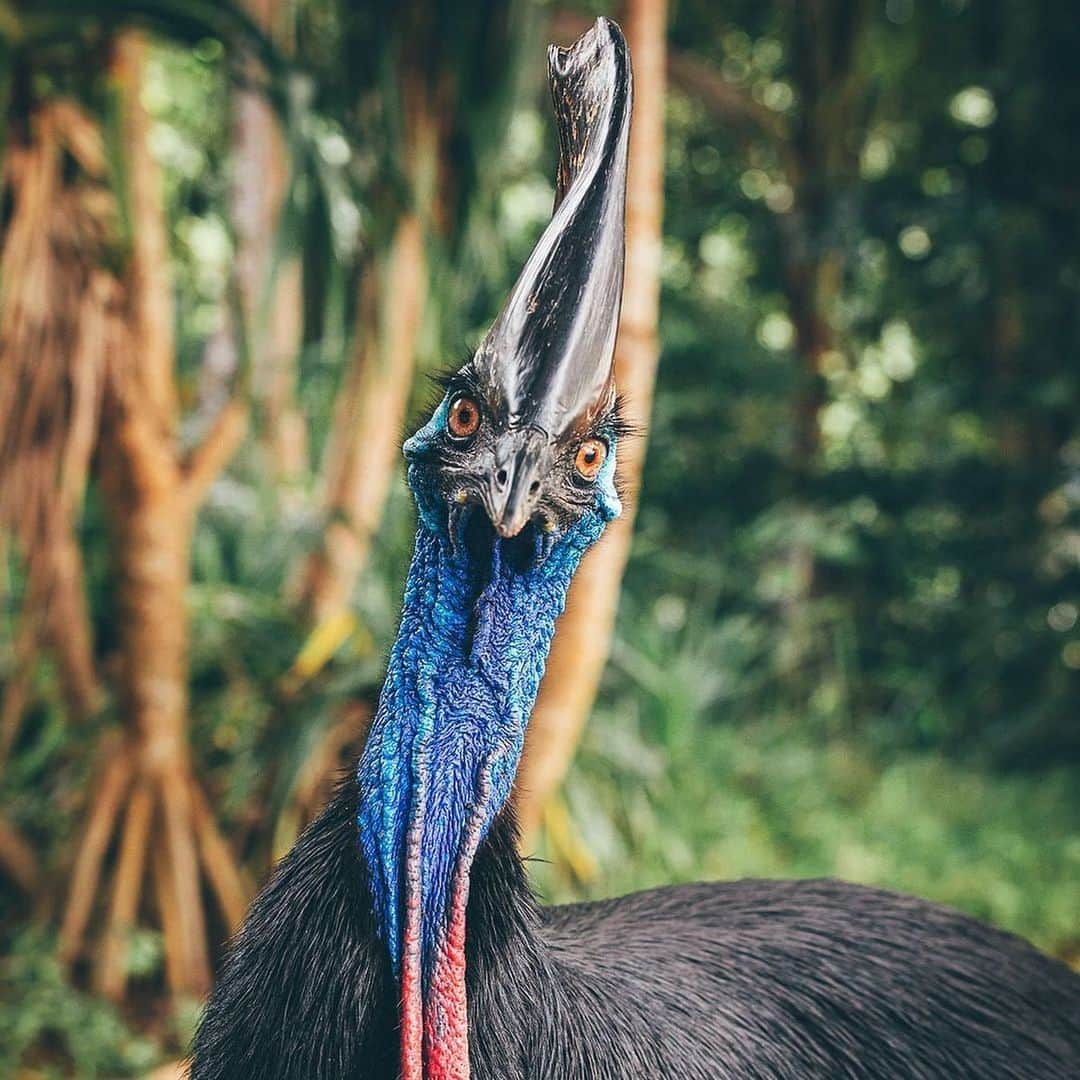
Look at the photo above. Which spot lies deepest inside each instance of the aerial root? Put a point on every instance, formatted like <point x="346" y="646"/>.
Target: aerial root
<point x="86" y="873"/>
<point x="28" y="643"/>
<point x="111" y="976"/>
<point x="230" y="884"/>
<point x="183" y="856"/>
<point x="164" y="834"/>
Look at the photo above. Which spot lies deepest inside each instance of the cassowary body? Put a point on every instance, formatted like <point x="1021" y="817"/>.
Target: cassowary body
<point x="791" y="979"/>
<point x="399" y="937"/>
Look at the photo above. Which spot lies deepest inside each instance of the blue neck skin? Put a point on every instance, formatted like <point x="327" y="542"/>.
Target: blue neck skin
<point x="462" y="678"/>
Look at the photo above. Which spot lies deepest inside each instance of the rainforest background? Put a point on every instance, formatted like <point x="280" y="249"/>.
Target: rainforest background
<point x="236" y="238"/>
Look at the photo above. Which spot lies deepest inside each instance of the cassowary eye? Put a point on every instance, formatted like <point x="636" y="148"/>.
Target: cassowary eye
<point x="464" y="418"/>
<point x="590" y="458"/>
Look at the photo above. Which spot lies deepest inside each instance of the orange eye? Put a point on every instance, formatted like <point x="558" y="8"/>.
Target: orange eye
<point x="464" y="417"/>
<point x="590" y="458"/>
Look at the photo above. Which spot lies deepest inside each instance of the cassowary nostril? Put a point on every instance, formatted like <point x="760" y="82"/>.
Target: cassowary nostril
<point x="500" y="477"/>
<point x="534" y="487"/>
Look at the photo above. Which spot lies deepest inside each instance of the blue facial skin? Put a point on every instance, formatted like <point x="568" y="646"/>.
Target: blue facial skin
<point x="460" y="685"/>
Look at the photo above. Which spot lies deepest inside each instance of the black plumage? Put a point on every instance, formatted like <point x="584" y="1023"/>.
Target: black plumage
<point x="791" y="979"/>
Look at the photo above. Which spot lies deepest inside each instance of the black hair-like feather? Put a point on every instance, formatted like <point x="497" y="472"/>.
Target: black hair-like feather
<point x="749" y="979"/>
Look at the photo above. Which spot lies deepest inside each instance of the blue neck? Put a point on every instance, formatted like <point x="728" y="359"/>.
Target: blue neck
<point x="445" y="742"/>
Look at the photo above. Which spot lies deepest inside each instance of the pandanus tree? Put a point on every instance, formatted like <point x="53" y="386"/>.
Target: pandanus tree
<point x="153" y="488"/>
<point x="148" y="821"/>
<point x="86" y="341"/>
<point x="400" y="938"/>
<point x="53" y="325"/>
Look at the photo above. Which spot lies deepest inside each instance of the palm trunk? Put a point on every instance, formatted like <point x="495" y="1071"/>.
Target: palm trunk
<point x="583" y="639"/>
<point x="363" y="447"/>
<point x="271" y="298"/>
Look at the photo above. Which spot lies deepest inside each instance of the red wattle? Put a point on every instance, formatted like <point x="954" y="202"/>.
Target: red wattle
<point x="446" y="1018"/>
<point x="435" y="1023"/>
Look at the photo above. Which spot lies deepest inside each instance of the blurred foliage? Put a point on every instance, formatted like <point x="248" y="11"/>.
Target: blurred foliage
<point x="862" y="662"/>
<point x="665" y="790"/>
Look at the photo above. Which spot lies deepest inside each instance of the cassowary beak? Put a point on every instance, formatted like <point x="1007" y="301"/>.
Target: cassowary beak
<point x="547" y="359"/>
<point x="516" y="478"/>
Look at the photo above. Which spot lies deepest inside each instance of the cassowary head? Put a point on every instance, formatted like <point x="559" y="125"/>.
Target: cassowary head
<point x="527" y="429"/>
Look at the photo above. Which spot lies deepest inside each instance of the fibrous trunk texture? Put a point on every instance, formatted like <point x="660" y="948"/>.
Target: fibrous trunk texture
<point x="51" y="374"/>
<point x="583" y="638"/>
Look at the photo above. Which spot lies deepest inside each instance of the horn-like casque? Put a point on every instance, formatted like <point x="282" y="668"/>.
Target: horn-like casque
<point x="549" y="353"/>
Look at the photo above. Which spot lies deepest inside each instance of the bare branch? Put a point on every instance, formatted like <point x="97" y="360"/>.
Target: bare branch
<point x="206" y="461"/>
<point x="699" y="81"/>
<point x="17" y="858"/>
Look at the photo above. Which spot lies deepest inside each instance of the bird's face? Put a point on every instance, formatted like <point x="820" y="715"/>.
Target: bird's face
<point x="480" y="472"/>
<point x="527" y="430"/>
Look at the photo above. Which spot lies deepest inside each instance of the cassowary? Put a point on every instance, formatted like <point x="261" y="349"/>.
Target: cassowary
<point x="400" y="937"/>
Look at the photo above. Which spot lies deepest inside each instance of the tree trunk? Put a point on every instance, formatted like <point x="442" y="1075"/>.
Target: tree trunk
<point x="822" y="163"/>
<point x="370" y="412"/>
<point x="152" y="536"/>
<point x="583" y="638"/>
<point x="363" y="447"/>
<point x="152" y="492"/>
<point x="271" y="298"/>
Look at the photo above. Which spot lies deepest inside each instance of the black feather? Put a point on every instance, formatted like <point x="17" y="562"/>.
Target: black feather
<point x="778" y="979"/>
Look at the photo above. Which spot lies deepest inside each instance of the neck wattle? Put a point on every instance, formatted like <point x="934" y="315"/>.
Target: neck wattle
<point x="441" y="756"/>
